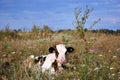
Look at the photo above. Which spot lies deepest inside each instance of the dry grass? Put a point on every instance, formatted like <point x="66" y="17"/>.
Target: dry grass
<point x="97" y="58"/>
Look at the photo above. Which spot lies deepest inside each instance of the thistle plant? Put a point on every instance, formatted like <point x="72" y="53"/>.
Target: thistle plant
<point x="80" y="20"/>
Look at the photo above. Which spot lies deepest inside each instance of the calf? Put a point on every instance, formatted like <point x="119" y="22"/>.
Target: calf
<point x="54" y="60"/>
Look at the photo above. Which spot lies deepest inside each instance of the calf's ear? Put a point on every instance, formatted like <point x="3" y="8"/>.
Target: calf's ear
<point x="51" y="49"/>
<point x="70" y="49"/>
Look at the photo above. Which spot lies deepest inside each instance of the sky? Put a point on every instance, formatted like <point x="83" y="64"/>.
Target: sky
<point x="58" y="14"/>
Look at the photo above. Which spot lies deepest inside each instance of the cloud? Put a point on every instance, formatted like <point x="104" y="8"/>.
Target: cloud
<point x="111" y="20"/>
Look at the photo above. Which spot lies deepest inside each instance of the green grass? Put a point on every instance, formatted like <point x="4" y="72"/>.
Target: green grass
<point x="98" y="58"/>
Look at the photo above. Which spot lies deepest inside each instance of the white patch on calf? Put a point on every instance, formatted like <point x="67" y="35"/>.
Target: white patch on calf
<point x="50" y="58"/>
<point x="61" y="56"/>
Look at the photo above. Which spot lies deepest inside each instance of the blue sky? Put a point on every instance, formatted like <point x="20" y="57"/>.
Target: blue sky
<point x="58" y="14"/>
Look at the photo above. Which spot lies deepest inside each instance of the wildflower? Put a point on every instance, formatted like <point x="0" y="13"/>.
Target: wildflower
<point x="4" y="55"/>
<point x="94" y="62"/>
<point x="13" y="53"/>
<point x="114" y="56"/>
<point x="96" y="69"/>
<point x="83" y="65"/>
<point x="75" y="79"/>
<point x="113" y="74"/>
<point x="111" y="68"/>
<point x="93" y="50"/>
<point x="100" y="55"/>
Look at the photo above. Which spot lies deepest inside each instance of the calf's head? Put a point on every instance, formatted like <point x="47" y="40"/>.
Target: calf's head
<point x="60" y="51"/>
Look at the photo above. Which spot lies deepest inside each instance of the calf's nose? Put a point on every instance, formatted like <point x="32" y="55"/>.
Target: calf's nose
<point x="63" y="60"/>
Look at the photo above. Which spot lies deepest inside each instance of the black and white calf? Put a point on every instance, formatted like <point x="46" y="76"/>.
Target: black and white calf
<point x="54" y="60"/>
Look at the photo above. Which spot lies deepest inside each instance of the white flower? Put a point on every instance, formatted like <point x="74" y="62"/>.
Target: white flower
<point x="100" y="55"/>
<point x="113" y="74"/>
<point x="111" y="68"/>
<point x="13" y="53"/>
<point x="96" y="69"/>
<point x="114" y="56"/>
<point x="83" y="65"/>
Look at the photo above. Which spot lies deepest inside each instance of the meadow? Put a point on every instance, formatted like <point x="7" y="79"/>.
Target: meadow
<point x="95" y="58"/>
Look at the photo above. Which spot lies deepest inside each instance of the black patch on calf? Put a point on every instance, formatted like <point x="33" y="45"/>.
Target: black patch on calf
<point x="54" y="50"/>
<point x="70" y="49"/>
<point x="55" y="65"/>
<point x="51" y="49"/>
<point x="40" y="59"/>
<point x="36" y="61"/>
<point x="44" y="58"/>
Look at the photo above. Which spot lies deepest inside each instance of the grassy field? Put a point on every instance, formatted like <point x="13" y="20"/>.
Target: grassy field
<point x="96" y="58"/>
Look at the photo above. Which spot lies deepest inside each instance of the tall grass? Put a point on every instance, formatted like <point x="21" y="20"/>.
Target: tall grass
<point x="100" y="61"/>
